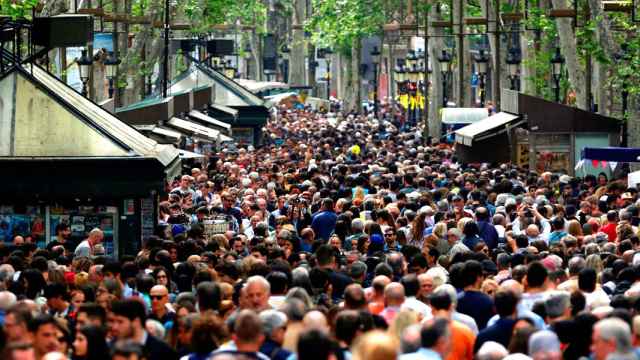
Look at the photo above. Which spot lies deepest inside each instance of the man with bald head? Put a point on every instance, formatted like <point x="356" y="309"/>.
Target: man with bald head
<point x="521" y="311"/>
<point x="393" y="299"/>
<point x="85" y="248"/>
<point x="315" y="320"/>
<point x="160" y="310"/>
<point x="376" y="295"/>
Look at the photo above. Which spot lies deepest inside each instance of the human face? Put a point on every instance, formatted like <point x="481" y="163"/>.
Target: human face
<point x="121" y="327"/>
<point x="389" y="236"/>
<point x="238" y="246"/>
<point x="159" y="299"/>
<point x="77" y="299"/>
<point x="426" y="285"/>
<point x="601" y="348"/>
<point x="335" y="242"/>
<point x="257" y="296"/>
<point x="83" y="319"/>
<point x="162" y="278"/>
<point x="66" y="233"/>
<point x="45" y="339"/>
<point x="26" y="354"/>
<point x="14" y="330"/>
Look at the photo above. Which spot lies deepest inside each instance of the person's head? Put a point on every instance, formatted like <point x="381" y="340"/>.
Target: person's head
<point x="472" y="273"/>
<point x="394" y="294"/>
<point x="128" y="319"/>
<point x="558" y="305"/>
<point x="16" y="323"/>
<point x="410" y="339"/>
<point x="506" y="302"/>
<point x="90" y="342"/>
<point x="435" y="335"/>
<point x="610" y="336"/>
<point x="536" y="275"/>
<point x="274" y="325"/>
<point x="315" y="344"/>
<point x="587" y="280"/>
<point x="126" y="350"/>
<point x="95" y="236"/>
<point x="354" y="297"/>
<point x="90" y="314"/>
<point x="207" y="333"/>
<point x="63" y="231"/>
<point x="209" y="296"/>
<point x="348" y="326"/>
<point x="159" y="298"/>
<point x="57" y="296"/>
<point x="440" y="300"/>
<point x="544" y="345"/>
<point x="20" y="351"/>
<point x="247" y="331"/>
<point x="257" y="290"/>
<point x="375" y="345"/>
<point x="44" y="332"/>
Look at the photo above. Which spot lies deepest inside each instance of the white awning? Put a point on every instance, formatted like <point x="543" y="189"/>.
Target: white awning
<point x="225" y="109"/>
<point x="463" y="115"/>
<point x="196" y="129"/>
<point x="167" y="133"/>
<point x="200" y="116"/>
<point x="467" y="134"/>
<point x="184" y="154"/>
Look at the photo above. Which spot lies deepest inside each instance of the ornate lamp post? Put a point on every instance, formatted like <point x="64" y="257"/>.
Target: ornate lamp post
<point x="327" y="58"/>
<point x="557" y="63"/>
<point x="375" y="57"/>
<point x="84" y="63"/>
<point x="247" y="58"/>
<point x="513" y="62"/>
<point x="445" y="69"/>
<point x="481" y="60"/>
<point x="111" y="69"/>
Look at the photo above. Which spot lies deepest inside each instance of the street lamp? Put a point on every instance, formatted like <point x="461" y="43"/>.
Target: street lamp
<point x="247" y="58"/>
<point x="513" y="62"/>
<point x="481" y="60"/>
<point x="375" y="57"/>
<point x="327" y="53"/>
<point x="557" y="62"/>
<point x="84" y="63"/>
<point x="445" y="68"/>
<point x="111" y="69"/>
<point x="284" y="66"/>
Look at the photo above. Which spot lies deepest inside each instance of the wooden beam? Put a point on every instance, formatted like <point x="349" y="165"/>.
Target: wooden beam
<point x="476" y="21"/>
<point x="512" y="16"/>
<point x="562" y="13"/>
<point x="95" y="12"/>
<point x="617" y="6"/>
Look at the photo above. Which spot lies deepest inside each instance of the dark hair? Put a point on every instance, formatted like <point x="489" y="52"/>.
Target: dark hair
<point x="587" y="280"/>
<point x="61" y="227"/>
<point x="55" y="290"/>
<point x="433" y="332"/>
<point x="209" y="296"/>
<point x="209" y="331"/>
<point x="131" y="309"/>
<point x="314" y="345"/>
<point x="94" y="311"/>
<point x="505" y="302"/>
<point x="411" y="284"/>
<point x="348" y="323"/>
<point x="278" y="281"/>
<point x="97" y="348"/>
<point x="536" y="274"/>
<point x="440" y="300"/>
<point x="40" y="320"/>
<point x="324" y="255"/>
<point x="471" y="272"/>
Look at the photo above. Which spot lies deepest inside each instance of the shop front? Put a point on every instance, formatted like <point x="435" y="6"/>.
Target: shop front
<point x="78" y="165"/>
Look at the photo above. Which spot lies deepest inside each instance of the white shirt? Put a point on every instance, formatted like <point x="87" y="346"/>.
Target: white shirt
<point x="418" y="306"/>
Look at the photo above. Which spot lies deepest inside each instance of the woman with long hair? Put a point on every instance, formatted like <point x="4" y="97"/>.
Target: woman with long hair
<point x="90" y="344"/>
<point x="418" y="226"/>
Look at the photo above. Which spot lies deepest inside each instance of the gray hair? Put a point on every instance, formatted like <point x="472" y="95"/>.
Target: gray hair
<point x="545" y="342"/>
<point x="491" y="350"/>
<point x="450" y="290"/>
<point x="357" y="225"/>
<point x="576" y="264"/>
<point x="617" y="330"/>
<point x="257" y="279"/>
<point x="557" y="303"/>
<point x="155" y="328"/>
<point x="6" y="272"/>
<point x="272" y="320"/>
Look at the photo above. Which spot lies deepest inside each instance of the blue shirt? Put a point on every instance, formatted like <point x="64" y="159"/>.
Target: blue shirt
<point x="422" y="354"/>
<point x="324" y="223"/>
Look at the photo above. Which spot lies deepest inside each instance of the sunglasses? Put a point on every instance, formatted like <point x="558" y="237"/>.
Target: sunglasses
<point x="157" y="297"/>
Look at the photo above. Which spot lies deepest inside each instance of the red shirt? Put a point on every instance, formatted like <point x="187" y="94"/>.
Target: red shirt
<point x="610" y="230"/>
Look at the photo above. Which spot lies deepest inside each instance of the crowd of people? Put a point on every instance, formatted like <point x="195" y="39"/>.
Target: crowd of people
<point x="343" y="237"/>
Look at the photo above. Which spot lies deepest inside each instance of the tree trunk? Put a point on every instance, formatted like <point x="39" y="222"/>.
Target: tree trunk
<point x="606" y="41"/>
<point x="297" y="55"/>
<point x="633" y="130"/>
<point x="436" y="45"/>
<point x="568" y="50"/>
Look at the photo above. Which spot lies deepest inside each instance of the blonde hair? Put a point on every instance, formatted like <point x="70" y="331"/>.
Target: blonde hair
<point x="375" y="345"/>
<point x="440" y="230"/>
<point x="403" y="320"/>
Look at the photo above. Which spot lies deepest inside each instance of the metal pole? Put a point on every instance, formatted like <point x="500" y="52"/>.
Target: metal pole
<point x="375" y="90"/>
<point x="165" y="65"/>
<point x="496" y="92"/>
<point x="482" y="85"/>
<point x="625" y="96"/>
<point x="461" y="80"/>
<point x="444" y="89"/>
<point x="557" y="89"/>
<point x="425" y="93"/>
